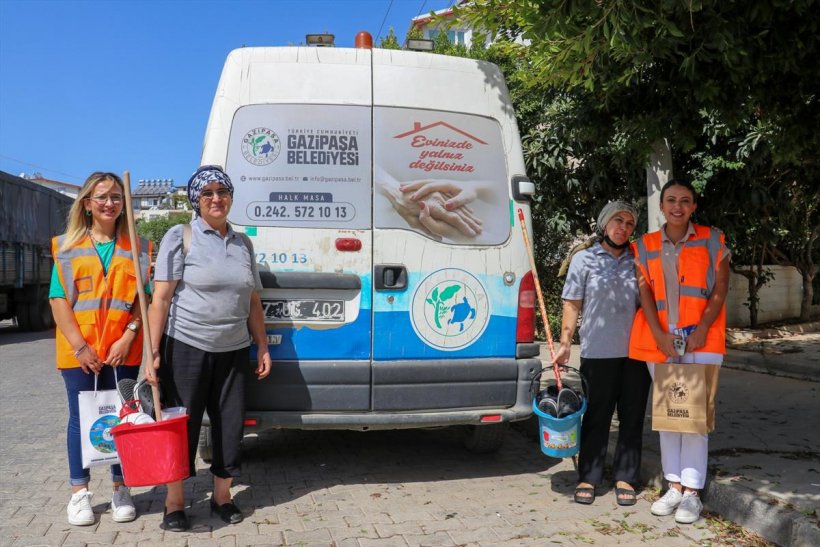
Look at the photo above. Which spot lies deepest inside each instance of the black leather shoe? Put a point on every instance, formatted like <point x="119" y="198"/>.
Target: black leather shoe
<point x="228" y="512"/>
<point x="176" y="521"/>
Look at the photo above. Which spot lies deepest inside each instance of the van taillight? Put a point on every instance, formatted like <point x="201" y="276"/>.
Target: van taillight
<point x="348" y="244"/>
<point x="525" y="328"/>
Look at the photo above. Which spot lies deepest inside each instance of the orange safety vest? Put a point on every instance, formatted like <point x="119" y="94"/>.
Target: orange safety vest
<point x="697" y="267"/>
<point x="101" y="302"/>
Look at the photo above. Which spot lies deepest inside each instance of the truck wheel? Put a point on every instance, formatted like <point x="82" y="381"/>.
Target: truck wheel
<point x="40" y="317"/>
<point x="206" y="450"/>
<point x="23" y="314"/>
<point x="484" y="439"/>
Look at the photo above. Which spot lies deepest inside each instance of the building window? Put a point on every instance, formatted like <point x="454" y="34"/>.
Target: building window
<point x="454" y="36"/>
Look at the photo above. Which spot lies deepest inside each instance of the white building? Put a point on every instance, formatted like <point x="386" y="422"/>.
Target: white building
<point x="457" y="34"/>
<point x="155" y="198"/>
<point x="66" y="188"/>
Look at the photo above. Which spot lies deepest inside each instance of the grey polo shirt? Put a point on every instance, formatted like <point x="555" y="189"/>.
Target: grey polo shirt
<point x="210" y="307"/>
<point x="607" y="286"/>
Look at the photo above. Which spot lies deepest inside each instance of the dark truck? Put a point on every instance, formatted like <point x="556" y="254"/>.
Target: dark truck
<point x="30" y="215"/>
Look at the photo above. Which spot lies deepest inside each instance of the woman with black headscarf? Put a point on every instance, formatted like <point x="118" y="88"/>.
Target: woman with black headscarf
<point x="602" y="289"/>
<point x="205" y="309"/>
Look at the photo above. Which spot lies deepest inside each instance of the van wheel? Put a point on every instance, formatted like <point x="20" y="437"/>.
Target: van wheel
<point x="206" y="449"/>
<point x="483" y="439"/>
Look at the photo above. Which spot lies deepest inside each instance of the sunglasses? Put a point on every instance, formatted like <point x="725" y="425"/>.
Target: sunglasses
<point x="208" y="195"/>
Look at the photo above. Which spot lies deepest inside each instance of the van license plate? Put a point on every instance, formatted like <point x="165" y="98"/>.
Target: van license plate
<point x="304" y="310"/>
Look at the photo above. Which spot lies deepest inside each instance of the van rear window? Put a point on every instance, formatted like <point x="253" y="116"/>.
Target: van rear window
<point x="301" y="166"/>
<point x="440" y="174"/>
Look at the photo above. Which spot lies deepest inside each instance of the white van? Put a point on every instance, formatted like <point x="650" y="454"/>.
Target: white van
<point x="381" y="191"/>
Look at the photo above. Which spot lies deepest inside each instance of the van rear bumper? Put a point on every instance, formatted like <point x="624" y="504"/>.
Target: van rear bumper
<point x="517" y="407"/>
<point x="367" y="421"/>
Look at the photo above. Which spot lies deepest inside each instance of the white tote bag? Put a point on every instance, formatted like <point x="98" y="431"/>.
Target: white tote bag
<point x="99" y="412"/>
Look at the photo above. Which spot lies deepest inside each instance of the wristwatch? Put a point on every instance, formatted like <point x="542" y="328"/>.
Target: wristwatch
<point x="133" y="326"/>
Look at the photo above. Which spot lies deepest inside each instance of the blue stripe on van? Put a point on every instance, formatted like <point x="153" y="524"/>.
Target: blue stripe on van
<point x="498" y="340"/>
<point x="349" y="342"/>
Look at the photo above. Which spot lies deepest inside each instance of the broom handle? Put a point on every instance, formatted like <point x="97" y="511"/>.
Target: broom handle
<point x="147" y="353"/>
<point x="538" y="292"/>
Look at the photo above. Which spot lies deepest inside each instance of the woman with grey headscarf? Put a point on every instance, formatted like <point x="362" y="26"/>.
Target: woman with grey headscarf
<point x="602" y="289"/>
<point x="204" y="312"/>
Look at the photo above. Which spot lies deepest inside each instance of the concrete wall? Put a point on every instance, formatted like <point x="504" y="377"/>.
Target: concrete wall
<point x="779" y="298"/>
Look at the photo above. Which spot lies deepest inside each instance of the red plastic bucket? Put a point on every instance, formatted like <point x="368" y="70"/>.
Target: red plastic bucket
<point x="155" y="453"/>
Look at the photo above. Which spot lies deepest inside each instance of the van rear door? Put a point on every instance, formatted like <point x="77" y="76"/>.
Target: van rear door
<point x="299" y="154"/>
<point x="444" y="310"/>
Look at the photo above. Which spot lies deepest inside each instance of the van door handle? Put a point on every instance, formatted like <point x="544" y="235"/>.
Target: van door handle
<point x="390" y="277"/>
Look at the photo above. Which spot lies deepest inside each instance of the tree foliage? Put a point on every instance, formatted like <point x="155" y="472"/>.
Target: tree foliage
<point x="732" y="86"/>
<point x="665" y="68"/>
<point x="156" y="228"/>
<point x="391" y="41"/>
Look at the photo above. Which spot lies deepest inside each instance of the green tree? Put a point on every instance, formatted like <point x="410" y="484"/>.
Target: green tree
<point x="731" y="85"/>
<point x="156" y="228"/>
<point x="390" y="41"/>
<point x="664" y="68"/>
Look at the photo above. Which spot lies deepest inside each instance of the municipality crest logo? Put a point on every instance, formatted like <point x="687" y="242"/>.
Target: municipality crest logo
<point x="261" y="146"/>
<point x="450" y="309"/>
<point x="678" y="393"/>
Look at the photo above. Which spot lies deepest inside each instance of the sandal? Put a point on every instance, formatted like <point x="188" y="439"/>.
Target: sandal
<point x="228" y="512"/>
<point x="584" y="495"/>
<point x="175" y="521"/>
<point x="625" y="496"/>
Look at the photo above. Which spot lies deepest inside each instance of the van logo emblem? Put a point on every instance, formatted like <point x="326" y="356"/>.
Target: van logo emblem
<point x="450" y="309"/>
<point x="261" y="146"/>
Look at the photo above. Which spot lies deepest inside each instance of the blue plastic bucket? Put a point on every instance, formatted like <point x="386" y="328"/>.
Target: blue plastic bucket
<point x="560" y="437"/>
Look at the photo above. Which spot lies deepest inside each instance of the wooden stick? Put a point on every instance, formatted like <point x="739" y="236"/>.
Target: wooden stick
<point x="543" y="308"/>
<point x="147" y="353"/>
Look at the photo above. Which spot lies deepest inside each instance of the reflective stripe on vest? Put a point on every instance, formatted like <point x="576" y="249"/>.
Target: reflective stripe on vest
<point x="100" y="300"/>
<point x="68" y="272"/>
<point x="692" y="298"/>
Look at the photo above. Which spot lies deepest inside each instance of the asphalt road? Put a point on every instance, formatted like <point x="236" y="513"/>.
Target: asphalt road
<point x="340" y="488"/>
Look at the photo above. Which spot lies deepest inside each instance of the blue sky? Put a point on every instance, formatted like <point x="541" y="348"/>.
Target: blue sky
<point x="127" y="85"/>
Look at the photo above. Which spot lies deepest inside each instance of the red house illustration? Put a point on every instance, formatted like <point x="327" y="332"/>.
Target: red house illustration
<point x="417" y="127"/>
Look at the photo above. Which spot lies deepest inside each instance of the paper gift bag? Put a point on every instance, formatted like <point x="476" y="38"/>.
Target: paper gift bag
<point x="683" y="397"/>
<point x="99" y="412"/>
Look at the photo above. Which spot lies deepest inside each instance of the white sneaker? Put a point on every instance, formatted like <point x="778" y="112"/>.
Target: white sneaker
<point x="79" y="508"/>
<point x="689" y="508"/>
<point x="667" y="504"/>
<point x="122" y="506"/>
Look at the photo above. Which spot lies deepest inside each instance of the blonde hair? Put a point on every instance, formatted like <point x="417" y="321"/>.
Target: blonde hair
<point x="78" y="222"/>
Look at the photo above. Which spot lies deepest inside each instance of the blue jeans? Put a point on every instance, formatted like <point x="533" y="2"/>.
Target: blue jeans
<point x="76" y="381"/>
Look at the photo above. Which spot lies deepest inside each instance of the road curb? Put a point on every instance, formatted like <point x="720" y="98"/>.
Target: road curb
<point x="767" y="517"/>
<point x="741" y="334"/>
<point x="770" y="518"/>
<point x="756" y="362"/>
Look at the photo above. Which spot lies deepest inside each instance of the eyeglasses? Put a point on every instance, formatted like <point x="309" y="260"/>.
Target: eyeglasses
<point x="208" y="195"/>
<point x="102" y="200"/>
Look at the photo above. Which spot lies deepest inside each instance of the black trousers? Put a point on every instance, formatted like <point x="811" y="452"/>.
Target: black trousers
<point x="620" y="382"/>
<point x="200" y="381"/>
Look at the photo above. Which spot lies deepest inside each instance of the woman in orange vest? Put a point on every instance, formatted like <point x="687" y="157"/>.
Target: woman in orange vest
<point x="93" y="296"/>
<point x="683" y="278"/>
